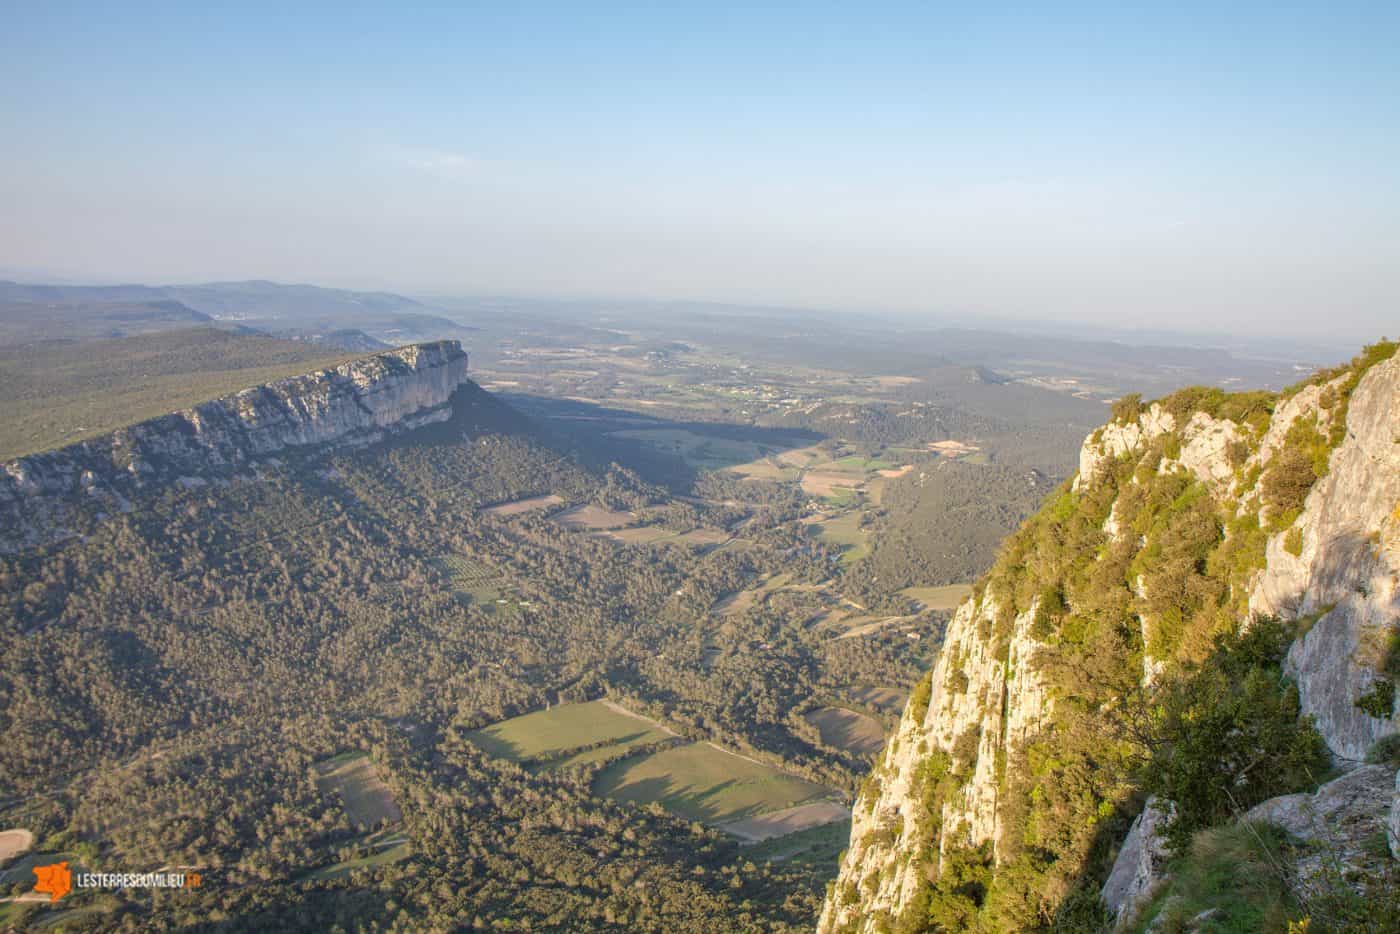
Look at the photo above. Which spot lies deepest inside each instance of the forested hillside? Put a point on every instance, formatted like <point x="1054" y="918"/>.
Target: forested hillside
<point x="175" y="680"/>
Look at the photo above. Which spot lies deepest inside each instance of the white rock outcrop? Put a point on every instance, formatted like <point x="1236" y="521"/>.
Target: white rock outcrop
<point x="1114" y="440"/>
<point x="972" y="700"/>
<point x="355" y="404"/>
<point x="1141" y="861"/>
<point x="1337" y="820"/>
<point x="1348" y="570"/>
<point x="1393" y="824"/>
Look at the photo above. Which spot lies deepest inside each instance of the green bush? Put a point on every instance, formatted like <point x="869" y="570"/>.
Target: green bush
<point x="1048" y="610"/>
<point x="1293" y="470"/>
<point x="1379" y="702"/>
<point x="1293" y="542"/>
<point x="1246" y="408"/>
<point x="1229" y="734"/>
<point x="1385" y="751"/>
<point x="1127" y="409"/>
<point x="919" y="699"/>
<point x="961" y="888"/>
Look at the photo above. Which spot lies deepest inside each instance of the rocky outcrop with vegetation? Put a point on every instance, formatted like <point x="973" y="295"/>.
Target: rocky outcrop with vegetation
<point x="354" y="404"/>
<point x="1207" y="615"/>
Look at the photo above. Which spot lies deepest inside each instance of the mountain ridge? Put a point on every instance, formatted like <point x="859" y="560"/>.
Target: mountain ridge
<point x="1000" y="801"/>
<point x="350" y="405"/>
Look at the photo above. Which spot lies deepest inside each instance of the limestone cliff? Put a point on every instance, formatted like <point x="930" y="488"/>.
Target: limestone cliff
<point x="354" y="404"/>
<point x="996" y="800"/>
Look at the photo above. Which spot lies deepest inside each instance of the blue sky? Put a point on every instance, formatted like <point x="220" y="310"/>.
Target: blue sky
<point x="1226" y="165"/>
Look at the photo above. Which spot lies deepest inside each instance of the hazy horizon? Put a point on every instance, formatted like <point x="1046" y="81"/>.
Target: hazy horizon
<point x="1187" y="170"/>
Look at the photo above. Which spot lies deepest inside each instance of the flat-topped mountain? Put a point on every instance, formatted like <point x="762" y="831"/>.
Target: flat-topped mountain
<point x="352" y="404"/>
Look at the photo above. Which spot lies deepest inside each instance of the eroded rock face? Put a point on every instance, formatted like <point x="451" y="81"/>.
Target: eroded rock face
<point x="1114" y="440"/>
<point x="1335" y="823"/>
<point x="1141" y="861"/>
<point x="973" y="705"/>
<point x="1205" y="448"/>
<point x="1348" y="570"/>
<point x="355" y="404"/>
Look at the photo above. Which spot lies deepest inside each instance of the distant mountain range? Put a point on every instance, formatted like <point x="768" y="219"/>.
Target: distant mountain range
<point x="340" y="318"/>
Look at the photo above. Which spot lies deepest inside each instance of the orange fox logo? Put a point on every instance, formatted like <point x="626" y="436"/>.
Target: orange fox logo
<point x="56" y="881"/>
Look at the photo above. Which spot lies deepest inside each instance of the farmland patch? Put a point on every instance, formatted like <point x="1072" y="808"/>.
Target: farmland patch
<point x="848" y="730"/>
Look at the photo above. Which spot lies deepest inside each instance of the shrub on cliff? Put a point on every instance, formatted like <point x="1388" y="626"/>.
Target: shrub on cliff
<point x="1229" y="734"/>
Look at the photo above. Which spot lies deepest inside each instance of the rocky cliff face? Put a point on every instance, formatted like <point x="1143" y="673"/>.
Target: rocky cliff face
<point x="970" y="794"/>
<point x="354" y="404"/>
<point x="1346" y="567"/>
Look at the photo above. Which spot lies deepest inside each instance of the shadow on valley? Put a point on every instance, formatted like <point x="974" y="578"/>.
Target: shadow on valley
<point x="666" y="451"/>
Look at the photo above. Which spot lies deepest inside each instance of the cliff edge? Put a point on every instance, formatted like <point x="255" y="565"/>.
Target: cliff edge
<point x="1210" y="610"/>
<point x="354" y="404"/>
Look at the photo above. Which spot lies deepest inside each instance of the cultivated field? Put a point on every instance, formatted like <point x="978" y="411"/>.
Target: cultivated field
<point x="367" y="800"/>
<point x="861" y="628"/>
<point x="949" y="597"/>
<point x="767" y="469"/>
<point x="802" y="457"/>
<point x="653" y="535"/>
<point x="862" y="464"/>
<point x="890" y="699"/>
<point x="699" y="781"/>
<point x="848" y="730"/>
<point x="481" y="582"/>
<point x="593" y="518"/>
<point x="703" y="782"/>
<point x="952" y="448"/>
<point x="890" y="382"/>
<point x="13" y="843"/>
<point x="643" y="535"/>
<point x="523" y="505"/>
<point x="845" y="530"/>
<point x="815" y="846"/>
<point x="789" y="820"/>
<point x="550" y="735"/>
<point x="735" y="603"/>
<point x="828" y="484"/>
<point x="380" y="849"/>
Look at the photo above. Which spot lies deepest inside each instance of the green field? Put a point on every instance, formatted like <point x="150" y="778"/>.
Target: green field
<point x="546" y="734"/>
<point x="695" y="780"/>
<point x="856" y="462"/>
<point x="845" y="530"/>
<point x="58" y="392"/>
<point x="817" y="846"/>
<point x="391" y="851"/>
<point x="704" y="783"/>
<point x="766" y="469"/>
<point x="655" y="535"/>
<point x="841" y="496"/>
